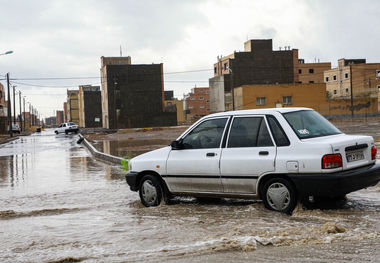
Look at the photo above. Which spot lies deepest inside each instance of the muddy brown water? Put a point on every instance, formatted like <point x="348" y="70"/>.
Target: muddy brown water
<point x="58" y="204"/>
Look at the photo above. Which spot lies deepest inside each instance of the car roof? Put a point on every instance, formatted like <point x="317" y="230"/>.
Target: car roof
<point x="258" y="111"/>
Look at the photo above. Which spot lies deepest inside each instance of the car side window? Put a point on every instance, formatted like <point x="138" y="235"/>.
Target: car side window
<point x="208" y="134"/>
<point x="60" y="126"/>
<point x="249" y="132"/>
<point x="64" y="125"/>
<point x="278" y="133"/>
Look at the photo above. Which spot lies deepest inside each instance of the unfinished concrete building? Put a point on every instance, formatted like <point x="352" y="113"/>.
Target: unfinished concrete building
<point x="90" y="106"/>
<point x="133" y="95"/>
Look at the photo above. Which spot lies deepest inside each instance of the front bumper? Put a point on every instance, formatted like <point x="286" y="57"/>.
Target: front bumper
<point x="338" y="183"/>
<point x="131" y="178"/>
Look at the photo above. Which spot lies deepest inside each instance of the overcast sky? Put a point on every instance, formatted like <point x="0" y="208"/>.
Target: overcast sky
<point x="65" y="39"/>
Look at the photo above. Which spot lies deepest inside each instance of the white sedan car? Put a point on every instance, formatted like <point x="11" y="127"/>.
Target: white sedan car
<point x="277" y="155"/>
<point x="66" y="128"/>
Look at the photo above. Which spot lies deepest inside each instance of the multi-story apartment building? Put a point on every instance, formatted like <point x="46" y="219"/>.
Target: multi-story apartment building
<point x="312" y="72"/>
<point x="356" y="75"/>
<point x="197" y="103"/>
<point x="59" y="117"/>
<point x="133" y="95"/>
<point x="73" y="106"/>
<point x="2" y="101"/>
<point x="259" y="64"/>
<point x="90" y="106"/>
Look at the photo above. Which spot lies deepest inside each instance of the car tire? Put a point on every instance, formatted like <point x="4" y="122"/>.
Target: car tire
<point x="56" y="132"/>
<point x="279" y="195"/>
<point x="150" y="191"/>
<point x="76" y="132"/>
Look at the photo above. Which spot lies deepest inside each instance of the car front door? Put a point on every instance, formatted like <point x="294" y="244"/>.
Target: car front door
<point x="249" y="153"/>
<point x="195" y="167"/>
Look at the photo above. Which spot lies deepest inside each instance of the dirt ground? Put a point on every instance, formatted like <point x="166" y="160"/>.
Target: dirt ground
<point x="132" y="142"/>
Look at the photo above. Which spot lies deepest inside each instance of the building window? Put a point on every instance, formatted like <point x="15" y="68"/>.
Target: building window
<point x="311" y="81"/>
<point x="327" y="79"/>
<point x="206" y="91"/>
<point x="200" y="90"/>
<point x="334" y="91"/>
<point x="225" y="66"/>
<point x="215" y="70"/>
<point x="169" y="103"/>
<point x="346" y="75"/>
<point x="300" y="71"/>
<point x="334" y="77"/>
<point x="378" y="88"/>
<point x="207" y="101"/>
<point x="378" y="73"/>
<point x="346" y="90"/>
<point x="190" y="107"/>
<point x="202" y="106"/>
<point x="311" y="70"/>
<point x="192" y="98"/>
<point x="287" y="100"/>
<point x="207" y="109"/>
<point x="260" y="101"/>
<point x="201" y="98"/>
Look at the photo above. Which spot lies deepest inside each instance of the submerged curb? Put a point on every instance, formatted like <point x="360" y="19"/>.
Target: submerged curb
<point x="8" y="140"/>
<point x="98" y="154"/>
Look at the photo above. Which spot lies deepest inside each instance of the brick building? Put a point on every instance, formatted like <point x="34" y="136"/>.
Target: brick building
<point x="73" y="106"/>
<point x="90" y="106"/>
<point x="259" y="64"/>
<point x="312" y="72"/>
<point x="65" y="112"/>
<point x="59" y="117"/>
<point x="133" y="95"/>
<point x="365" y="80"/>
<point x="2" y="101"/>
<point x="197" y="103"/>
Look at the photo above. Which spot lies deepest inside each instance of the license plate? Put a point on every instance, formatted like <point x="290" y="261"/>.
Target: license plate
<point x="356" y="156"/>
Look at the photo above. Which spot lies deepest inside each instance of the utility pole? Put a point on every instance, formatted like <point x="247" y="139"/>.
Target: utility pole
<point x="30" y="115"/>
<point x="24" y="113"/>
<point x="19" y="96"/>
<point x="9" y="109"/>
<point x="14" y="104"/>
<point x="352" y="95"/>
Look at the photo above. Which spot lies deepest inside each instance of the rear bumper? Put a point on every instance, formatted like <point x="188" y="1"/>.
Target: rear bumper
<point x="336" y="184"/>
<point x="131" y="178"/>
<point x="72" y="130"/>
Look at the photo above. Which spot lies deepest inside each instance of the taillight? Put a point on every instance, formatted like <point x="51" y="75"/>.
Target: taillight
<point x="373" y="152"/>
<point x="331" y="161"/>
<point x="70" y="127"/>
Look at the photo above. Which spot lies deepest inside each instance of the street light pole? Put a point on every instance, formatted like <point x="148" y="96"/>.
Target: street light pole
<point x="6" y="53"/>
<point x="9" y="109"/>
<point x="24" y="112"/>
<point x="14" y="104"/>
<point x="19" y="97"/>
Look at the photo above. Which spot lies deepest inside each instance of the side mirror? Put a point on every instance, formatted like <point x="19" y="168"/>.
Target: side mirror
<point x="176" y="145"/>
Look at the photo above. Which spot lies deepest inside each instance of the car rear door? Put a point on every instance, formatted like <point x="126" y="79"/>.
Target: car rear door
<point x="249" y="153"/>
<point x="195" y="168"/>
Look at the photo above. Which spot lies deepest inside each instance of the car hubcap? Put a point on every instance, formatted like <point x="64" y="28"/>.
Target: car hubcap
<point x="278" y="196"/>
<point x="149" y="192"/>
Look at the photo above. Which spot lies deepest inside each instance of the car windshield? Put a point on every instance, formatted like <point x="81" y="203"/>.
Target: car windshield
<point x="309" y="124"/>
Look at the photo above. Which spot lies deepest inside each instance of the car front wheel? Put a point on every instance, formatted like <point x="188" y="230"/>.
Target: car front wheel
<point x="150" y="191"/>
<point x="279" y="195"/>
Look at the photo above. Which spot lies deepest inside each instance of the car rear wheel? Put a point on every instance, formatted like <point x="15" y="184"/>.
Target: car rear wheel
<point x="150" y="191"/>
<point x="56" y="132"/>
<point x="279" y="195"/>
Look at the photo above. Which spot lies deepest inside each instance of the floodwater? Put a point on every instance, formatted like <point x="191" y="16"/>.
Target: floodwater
<point x="58" y="204"/>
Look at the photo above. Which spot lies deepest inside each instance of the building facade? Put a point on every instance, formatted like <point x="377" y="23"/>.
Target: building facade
<point x="312" y="72"/>
<point x="257" y="64"/>
<point x="197" y="103"/>
<point x="133" y="95"/>
<point x="2" y="101"/>
<point x="356" y="75"/>
<point x="59" y="117"/>
<point x="73" y="106"/>
<point x="177" y="106"/>
<point x="90" y="106"/>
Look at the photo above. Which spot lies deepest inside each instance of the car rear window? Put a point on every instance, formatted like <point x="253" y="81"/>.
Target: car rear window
<point x="310" y="124"/>
<point x="71" y="123"/>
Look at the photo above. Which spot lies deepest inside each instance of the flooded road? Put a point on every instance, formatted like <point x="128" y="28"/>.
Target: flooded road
<point x="58" y="204"/>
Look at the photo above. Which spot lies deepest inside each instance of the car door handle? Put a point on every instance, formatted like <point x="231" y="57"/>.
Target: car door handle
<point x="263" y="153"/>
<point x="210" y="154"/>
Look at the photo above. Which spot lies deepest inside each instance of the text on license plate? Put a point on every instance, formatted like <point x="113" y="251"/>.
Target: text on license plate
<point x="356" y="156"/>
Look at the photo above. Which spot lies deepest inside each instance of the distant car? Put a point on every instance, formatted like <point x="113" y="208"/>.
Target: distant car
<point x="16" y="128"/>
<point x="67" y="127"/>
<point x="277" y="155"/>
